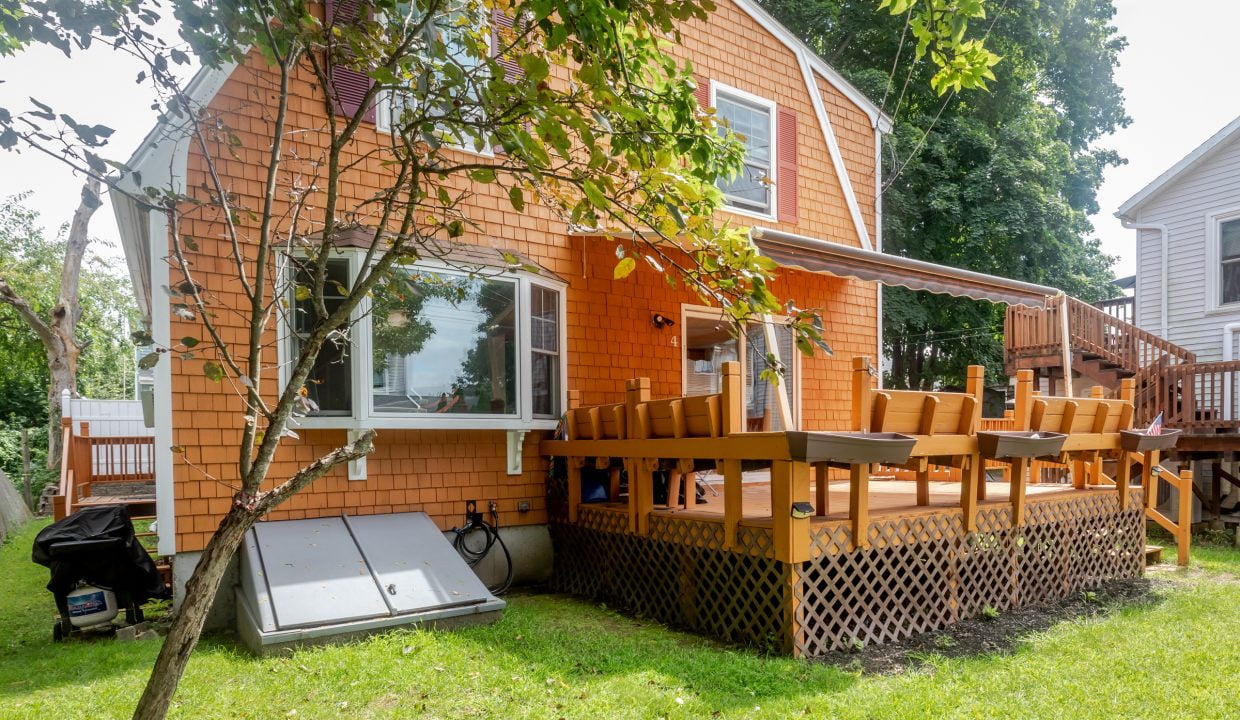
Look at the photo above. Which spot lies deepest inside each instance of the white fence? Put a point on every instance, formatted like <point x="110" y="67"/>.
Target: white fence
<point x="107" y="418"/>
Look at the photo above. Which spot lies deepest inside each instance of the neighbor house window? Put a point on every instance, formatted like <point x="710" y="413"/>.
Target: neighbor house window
<point x="328" y="385"/>
<point x="1229" y="259"/>
<point x="752" y="119"/>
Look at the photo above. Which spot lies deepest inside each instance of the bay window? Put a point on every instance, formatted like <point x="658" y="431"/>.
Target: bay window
<point x="438" y="347"/>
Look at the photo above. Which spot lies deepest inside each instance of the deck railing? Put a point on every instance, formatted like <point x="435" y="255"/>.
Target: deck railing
<point x="644" y="435"/>
<point x="1037" y="332"/>
<point x="1120" y="308"/>
<point x="1198" y="397"/>
<point x="89" y="462"/>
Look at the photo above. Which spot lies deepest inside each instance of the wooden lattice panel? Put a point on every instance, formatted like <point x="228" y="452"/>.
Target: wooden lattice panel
<point x="924" y="572"/>
<point x="920" y="573"/>
<point x="679" y="575"/>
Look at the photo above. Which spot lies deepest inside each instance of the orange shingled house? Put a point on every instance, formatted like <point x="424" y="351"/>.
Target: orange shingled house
<point x="570" y="326"/>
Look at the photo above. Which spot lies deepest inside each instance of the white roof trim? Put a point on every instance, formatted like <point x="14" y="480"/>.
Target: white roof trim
<point x="877" y="118"/>
<point x="1201" y="153"/>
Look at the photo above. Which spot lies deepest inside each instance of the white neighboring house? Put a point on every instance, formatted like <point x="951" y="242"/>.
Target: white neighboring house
<point x="1187" y="223"/>
<point x="1188" y="249"/>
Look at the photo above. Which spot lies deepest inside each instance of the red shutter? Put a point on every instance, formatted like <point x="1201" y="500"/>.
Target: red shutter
<point x="702" y="93"/>
<point x="349" y="87"/>
<point x="499" y="22"/>
<point x="786" y="164"/>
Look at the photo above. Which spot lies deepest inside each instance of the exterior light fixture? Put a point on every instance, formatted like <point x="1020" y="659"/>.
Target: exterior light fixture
<point x="660" y="321"/>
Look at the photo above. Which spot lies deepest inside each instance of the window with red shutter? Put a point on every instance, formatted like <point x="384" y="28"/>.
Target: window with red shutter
<point x="702" y="93"/>
<point x="786" y="189"/>
<point x="348" y="86"/>
<point x="752" y="119"/>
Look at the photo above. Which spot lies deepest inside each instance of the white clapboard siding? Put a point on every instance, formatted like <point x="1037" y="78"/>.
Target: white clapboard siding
<point x="1212" y="186"/>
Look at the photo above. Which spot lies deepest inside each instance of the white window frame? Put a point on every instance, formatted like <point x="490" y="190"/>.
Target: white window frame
<point x="704" y="312"/>
<point x="385" y="104"/>
<point x="1214" y="263"/>
<point x="718" y="88"/>
<point x="362" y="402"/>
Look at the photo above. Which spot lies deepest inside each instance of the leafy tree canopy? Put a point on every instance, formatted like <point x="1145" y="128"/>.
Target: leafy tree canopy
<point x="1001" y="181"/>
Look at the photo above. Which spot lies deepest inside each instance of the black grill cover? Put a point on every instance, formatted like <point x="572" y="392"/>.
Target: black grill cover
<point x="120" y="566"/>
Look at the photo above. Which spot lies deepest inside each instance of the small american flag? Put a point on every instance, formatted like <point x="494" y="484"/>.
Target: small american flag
<point x="1155" y="427"/>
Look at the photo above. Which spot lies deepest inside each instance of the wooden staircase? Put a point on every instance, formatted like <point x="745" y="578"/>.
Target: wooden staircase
<point x="1106" y="348"/>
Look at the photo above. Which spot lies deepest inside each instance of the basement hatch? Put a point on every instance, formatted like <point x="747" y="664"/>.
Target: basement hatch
<point x="317" y="580"/>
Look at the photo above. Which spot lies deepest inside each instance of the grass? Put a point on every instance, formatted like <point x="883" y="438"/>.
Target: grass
<point x="553" y="657"/>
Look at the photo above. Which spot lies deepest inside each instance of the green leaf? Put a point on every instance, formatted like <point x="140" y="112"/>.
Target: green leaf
<point x="189" y="342"/>
<point x="148" y="361"/>
<point x="624" y="268"/>
<point x="213" y="370"/>
<point x="594" y="194"/>
<point x="517" y="198"/>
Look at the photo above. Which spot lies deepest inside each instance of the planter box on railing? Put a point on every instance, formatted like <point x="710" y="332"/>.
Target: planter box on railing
<point x="1000" y="445"/>
<point x="1138" y="441"/>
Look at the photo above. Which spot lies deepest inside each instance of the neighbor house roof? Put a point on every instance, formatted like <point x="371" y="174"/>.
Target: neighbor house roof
<point x="1202" y="153"/>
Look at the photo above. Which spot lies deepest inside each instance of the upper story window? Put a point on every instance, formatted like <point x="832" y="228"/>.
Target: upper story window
<point x="752" y="118"/>
<point x="457" y="28"/>
<point x="1229" y="260"/>
<point x="438" y="346"/>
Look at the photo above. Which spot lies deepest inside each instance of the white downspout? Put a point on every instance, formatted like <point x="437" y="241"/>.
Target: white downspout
<point x="878" y="240"/>
<point x="1163" y="270"/>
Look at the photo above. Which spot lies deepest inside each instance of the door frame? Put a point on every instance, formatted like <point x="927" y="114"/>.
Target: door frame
<point x="705" y="312"/>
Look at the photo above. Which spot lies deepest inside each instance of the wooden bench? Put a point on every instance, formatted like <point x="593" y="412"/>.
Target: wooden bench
<point x="1093" y="426"/>
<point x="944" y="423"/>
<point x="641" y="418"/>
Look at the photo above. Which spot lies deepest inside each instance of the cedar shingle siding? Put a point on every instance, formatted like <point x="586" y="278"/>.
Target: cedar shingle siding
<point x="610" y="336"/>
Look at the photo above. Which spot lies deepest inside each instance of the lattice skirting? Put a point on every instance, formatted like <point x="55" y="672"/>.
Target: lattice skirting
<point x="920" y="573"/>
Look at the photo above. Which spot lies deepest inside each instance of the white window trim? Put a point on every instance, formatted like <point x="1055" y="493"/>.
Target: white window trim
<point x="771" y="106"/>
<point x="1214" y="267"/>
<point x="363" y="415"/>
<point x="704" y="312"/>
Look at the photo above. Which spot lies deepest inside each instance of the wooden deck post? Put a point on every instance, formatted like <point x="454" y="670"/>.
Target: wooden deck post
<point x="859" y="505"/>
<point x="641" y="481"/>
<point x="789" y="484"/>
<point x="862" y="389"/>
<point x="973" y="480"/>
<point x="1024" y="399"/>
<point x="1185" y="524"/>
<point x="822" y="490"/>
<point x="1150" y="479"/>
<point x="1017" y="484"/>
<point x="573" y="465"/>
<point x="733" y="421"/>
<point x="1123" y="465"/>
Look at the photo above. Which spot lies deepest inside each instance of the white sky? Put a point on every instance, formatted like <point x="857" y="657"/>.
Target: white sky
<point x="1178" y="75"/>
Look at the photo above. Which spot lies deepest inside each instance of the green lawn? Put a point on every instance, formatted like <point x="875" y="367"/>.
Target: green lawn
<point x="553" y="657"/>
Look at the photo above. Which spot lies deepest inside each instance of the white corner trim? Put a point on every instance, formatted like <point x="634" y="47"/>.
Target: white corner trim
<point x="1163" y="262"/>
<point x="837" y="159"/>
<point x="357" y="468"/>
<point x="878" y="245"/>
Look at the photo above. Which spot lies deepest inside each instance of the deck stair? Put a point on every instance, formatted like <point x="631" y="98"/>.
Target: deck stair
<point x="1107" y="348"/>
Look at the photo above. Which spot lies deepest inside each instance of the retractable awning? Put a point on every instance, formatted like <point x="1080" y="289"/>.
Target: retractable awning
<point x="822" y="256"/>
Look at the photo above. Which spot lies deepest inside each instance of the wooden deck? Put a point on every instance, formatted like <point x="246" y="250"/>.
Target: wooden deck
<point x="887" y="498"/>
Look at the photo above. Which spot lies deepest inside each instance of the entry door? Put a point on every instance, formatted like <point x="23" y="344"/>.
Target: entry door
<point x="708" y="344"/>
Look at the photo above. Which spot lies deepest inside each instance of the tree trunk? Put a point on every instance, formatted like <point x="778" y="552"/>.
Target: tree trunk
<point x="187" y="624"/>
<point x="58" y="334"/>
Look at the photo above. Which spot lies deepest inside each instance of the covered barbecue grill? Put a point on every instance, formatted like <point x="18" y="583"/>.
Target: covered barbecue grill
<point x="97" y="547"/>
